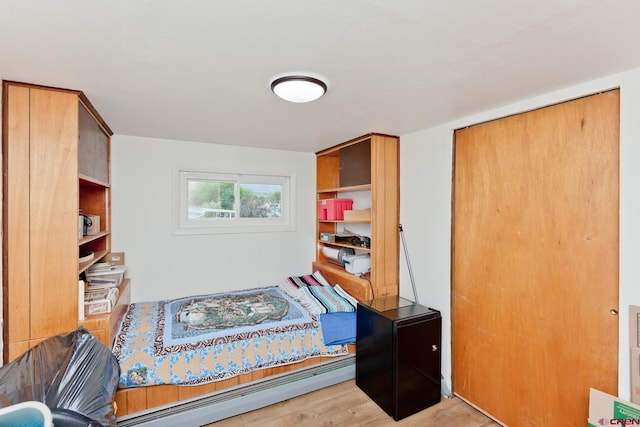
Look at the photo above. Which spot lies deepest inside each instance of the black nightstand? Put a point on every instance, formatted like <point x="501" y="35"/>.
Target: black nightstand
<point x="398" y="354"/>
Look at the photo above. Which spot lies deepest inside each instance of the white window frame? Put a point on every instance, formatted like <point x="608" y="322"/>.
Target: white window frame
<point x="184" y="225"/>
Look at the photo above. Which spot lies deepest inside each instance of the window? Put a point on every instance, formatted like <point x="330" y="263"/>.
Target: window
<point x="233" y="203"/>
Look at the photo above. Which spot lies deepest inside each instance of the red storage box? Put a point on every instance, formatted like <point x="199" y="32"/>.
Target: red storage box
<point x="333" y="209"/>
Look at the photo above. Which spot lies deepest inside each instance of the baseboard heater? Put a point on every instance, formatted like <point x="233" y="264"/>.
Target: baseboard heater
<point x="245" y="397"/>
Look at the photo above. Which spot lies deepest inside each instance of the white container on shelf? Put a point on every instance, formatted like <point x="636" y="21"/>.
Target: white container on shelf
<point x="357" y="264"/>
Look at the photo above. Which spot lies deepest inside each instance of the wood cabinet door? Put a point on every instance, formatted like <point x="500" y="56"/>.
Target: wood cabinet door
<point x="15" y="208"/>
<point x="535" y="261"/>
<point x="53" y="212"/>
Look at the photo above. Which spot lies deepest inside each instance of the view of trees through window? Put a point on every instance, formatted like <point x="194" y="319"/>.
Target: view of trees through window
<point x="217" y="199"/>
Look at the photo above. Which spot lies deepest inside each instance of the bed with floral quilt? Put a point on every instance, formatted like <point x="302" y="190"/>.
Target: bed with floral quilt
<point x="201" y="339"/>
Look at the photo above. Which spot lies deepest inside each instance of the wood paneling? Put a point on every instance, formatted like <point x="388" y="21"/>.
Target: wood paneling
<point x="16" y="272"/>
<point x="40" y="207"/>
<point x="53" y="212"/>
<point x="162" y="395"/>
<point x="385" y="208"/>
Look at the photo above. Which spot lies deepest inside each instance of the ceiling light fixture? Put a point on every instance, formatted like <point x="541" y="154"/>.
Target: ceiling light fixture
<point x="298" y="88"/>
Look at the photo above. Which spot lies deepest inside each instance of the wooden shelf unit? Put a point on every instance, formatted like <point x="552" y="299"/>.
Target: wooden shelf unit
<point x="55" y="162"/>
<point x="368" y="164"/>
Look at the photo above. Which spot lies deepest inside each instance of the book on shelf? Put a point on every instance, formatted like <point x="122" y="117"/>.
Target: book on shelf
<point x="104" y="275"/>
<point x="100" y="301"/>
<point x="104" y="268"/>
<point x="94" y="284"/>
<point x="100" y="266"/>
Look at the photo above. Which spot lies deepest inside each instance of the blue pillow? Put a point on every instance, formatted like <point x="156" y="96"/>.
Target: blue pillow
<point x="338" y="328"/>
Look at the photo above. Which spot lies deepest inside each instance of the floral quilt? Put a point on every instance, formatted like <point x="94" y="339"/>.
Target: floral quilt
<point x="208" y="338"/>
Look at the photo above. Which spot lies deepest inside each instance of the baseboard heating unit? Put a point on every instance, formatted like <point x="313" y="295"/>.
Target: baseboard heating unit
<point x="245" y="397"/>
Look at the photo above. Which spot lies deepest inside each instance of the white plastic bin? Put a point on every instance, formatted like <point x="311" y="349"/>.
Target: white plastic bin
<point x="26" y="414"/>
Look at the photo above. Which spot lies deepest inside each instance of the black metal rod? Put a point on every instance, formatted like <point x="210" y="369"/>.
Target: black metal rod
<point x="406" y="255"/>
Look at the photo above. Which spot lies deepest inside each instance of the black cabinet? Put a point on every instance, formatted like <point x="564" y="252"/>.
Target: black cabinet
<point x="398" y="354"/>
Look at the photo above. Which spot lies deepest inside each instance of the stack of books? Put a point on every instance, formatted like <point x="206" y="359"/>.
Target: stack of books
<point x="101" y="287"/>
<point x="103" y="275"/>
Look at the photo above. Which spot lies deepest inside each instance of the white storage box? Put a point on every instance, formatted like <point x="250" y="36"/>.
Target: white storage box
<point x="106" y="274"/>
<point x="357" y="264"/>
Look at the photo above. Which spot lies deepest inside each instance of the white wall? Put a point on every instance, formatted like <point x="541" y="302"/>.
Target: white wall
<point x="425" y="210"/>
<point x="163" y="265"/>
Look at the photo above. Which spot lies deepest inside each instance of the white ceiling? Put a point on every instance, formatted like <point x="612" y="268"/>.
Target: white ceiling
<point x="199" y="70"/>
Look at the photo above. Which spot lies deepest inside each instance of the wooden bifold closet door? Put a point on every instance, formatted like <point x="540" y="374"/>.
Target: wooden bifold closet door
<point x="535" y="261"/>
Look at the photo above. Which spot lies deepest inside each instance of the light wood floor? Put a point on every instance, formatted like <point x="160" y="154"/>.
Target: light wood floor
<point x="345" y="404"/>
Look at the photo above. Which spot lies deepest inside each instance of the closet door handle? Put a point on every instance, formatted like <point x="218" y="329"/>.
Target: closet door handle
<point x="613" y="312"/>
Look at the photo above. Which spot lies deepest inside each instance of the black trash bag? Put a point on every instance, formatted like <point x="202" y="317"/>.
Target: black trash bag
<point x="69" y="418"/>
<point x="73" y="373"/>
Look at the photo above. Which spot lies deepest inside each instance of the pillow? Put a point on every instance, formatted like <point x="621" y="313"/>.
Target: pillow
<point x="344" y="294"/>
<point x="338" y="328"/>
<point x="317" y="275"/>
<point x="303" y="281"/>
<point x="320" y="278"/>
<point x="289" y="288"/>
<point x="328" y="300"/>
<point x="316" y="295"/>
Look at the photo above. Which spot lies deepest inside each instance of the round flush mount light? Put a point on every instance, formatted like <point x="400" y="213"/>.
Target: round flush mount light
<point x="298" y="88"/>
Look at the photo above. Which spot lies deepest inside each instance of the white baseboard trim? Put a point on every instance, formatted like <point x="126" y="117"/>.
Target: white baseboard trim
<point x="246" y="397"/>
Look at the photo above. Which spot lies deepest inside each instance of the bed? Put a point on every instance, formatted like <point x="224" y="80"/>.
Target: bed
<point x="184" y="357"/>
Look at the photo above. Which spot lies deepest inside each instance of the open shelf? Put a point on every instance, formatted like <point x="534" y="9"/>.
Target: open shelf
<point x="344" y="245"/>
<point x="91" y="238"/>
<point x="368" y="168"/>
<point x="97" y="255"/>
<point x="363" y="187"/>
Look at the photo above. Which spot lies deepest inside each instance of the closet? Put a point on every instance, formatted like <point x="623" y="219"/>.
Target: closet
<point x="535" y="261"/>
